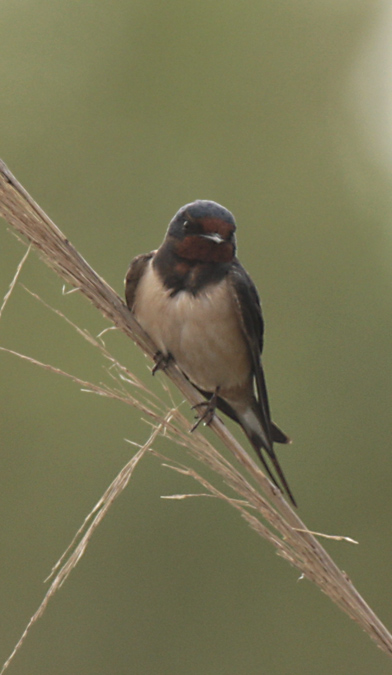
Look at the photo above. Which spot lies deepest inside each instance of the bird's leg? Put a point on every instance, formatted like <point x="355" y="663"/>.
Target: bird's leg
<point x="209" y="409"/>
<point x="161" y="361"/>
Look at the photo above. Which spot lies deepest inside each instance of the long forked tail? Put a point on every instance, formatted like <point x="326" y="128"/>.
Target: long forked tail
<point x="271" y="455"/>
<point x="263" y="445"/>
<point x="253" y="423"/>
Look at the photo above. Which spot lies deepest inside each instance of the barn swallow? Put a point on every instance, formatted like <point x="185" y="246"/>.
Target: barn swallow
<point x="201" y="308"/>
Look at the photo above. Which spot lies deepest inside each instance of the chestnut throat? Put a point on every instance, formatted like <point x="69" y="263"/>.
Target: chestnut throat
<point x="192" y="263"/>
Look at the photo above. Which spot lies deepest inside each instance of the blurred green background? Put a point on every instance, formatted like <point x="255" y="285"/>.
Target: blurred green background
<point x="113" y="115"/>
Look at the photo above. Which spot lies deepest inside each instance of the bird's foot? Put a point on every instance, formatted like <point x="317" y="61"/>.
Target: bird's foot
<point x="161" y="361"/>
<point x="209" y="410"/>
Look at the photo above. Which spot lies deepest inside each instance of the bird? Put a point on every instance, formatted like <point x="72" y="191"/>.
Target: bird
<point x="201" y="308"/>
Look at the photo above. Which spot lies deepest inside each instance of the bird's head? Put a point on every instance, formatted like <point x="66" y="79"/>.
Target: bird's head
<point x="203" y="231"/>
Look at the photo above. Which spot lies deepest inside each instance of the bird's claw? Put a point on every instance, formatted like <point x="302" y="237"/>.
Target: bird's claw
<point x="209" y="410"/>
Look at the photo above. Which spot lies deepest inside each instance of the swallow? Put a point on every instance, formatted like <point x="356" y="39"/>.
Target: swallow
<point x="201" y="308"/>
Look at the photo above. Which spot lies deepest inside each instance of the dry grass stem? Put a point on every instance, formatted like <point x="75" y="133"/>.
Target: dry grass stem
<point x="14" y="280"/>
<point x="257" y="500"/>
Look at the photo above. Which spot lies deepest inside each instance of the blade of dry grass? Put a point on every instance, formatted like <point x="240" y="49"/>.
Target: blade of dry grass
<point x="14" y="280"/>
<point x="275" y="520"/>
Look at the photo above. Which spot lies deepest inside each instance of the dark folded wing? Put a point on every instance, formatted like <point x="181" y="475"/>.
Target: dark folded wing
<point x="134" y="274"/>
<point x="249" y="313"/>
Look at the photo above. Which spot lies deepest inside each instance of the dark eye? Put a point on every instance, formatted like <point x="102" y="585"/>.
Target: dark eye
<point x="191" y="227"/>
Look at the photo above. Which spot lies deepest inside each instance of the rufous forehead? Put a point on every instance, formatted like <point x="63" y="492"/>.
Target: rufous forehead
<point x="217" y="225"/>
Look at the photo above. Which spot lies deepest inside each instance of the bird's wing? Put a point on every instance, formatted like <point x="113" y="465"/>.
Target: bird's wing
<point x="249" y="313"/>
<point x="134" y="274"/>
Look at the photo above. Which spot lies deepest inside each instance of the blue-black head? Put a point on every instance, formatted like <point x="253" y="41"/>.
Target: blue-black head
<point x="205" y="219"/>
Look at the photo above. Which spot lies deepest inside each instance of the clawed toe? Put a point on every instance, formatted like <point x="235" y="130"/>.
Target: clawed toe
<point x="209" y="410"/>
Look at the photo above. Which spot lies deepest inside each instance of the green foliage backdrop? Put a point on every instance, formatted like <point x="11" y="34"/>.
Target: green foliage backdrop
<point x="114" y="114"/>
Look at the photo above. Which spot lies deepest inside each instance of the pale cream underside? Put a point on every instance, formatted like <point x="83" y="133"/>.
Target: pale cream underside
<point x="202" y="333"/>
